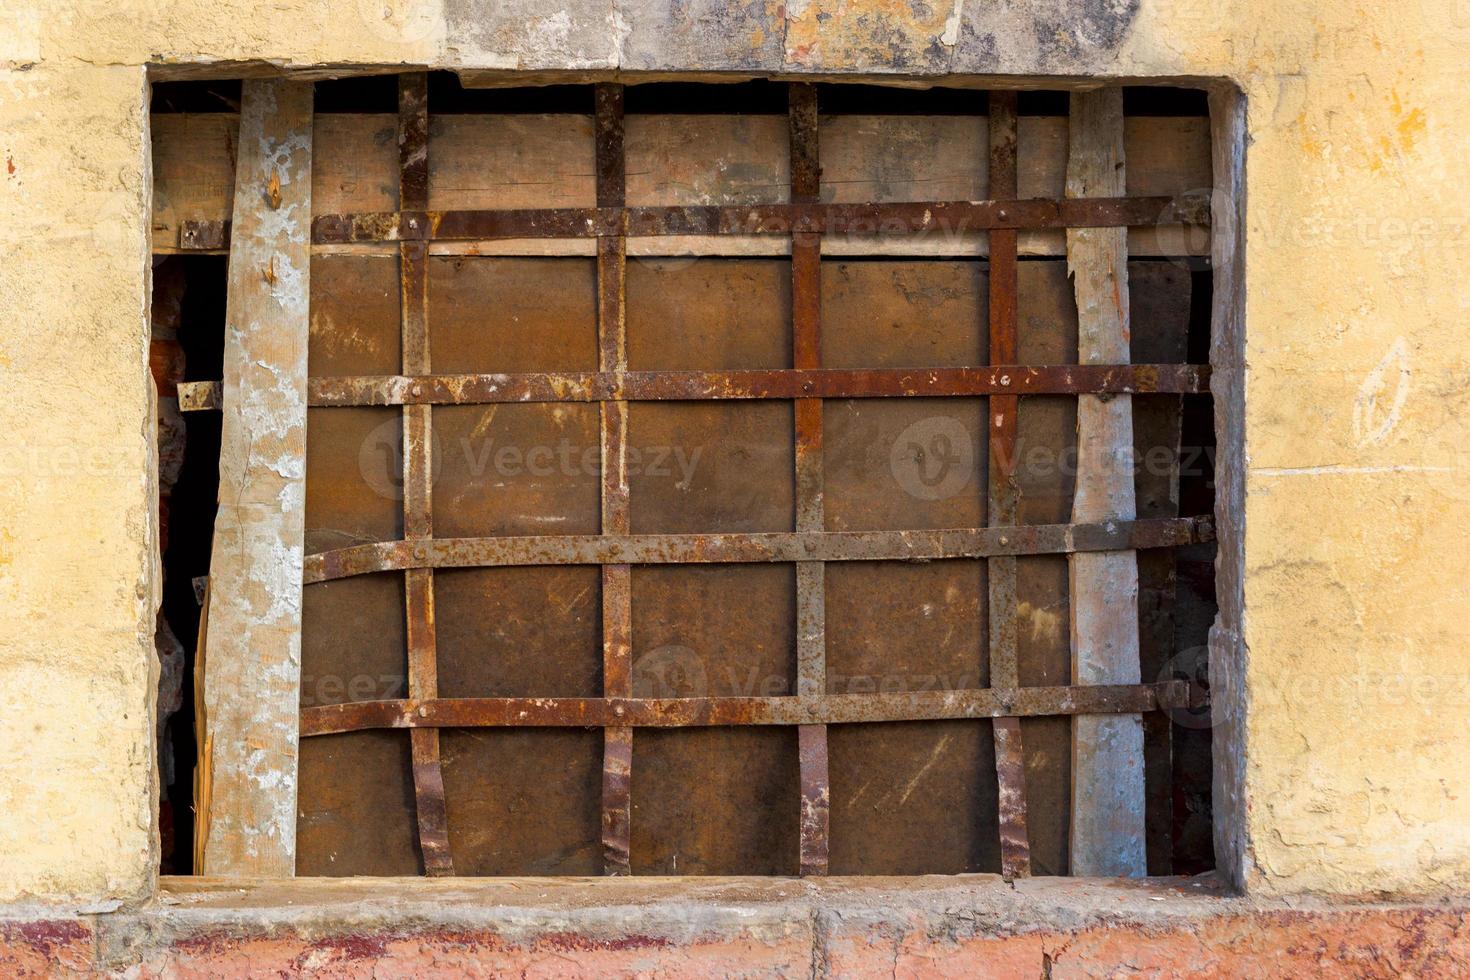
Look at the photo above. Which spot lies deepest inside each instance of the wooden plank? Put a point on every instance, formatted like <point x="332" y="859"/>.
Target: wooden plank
<point x="1107" y="832"/>
<point x="254" y="620"/>
<point x="522" y="161"/>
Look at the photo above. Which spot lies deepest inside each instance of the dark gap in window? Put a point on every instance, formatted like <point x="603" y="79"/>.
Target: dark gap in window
<point x="1043" y="103"/>
<point x="364" y="93"/>
<point x="878" y="100"/>
<point x="215" y="95"/>
<point x="754" y="98"/>
<point x="1164" y="100"/>
<point x="1202" y="278"/>
<point x="190" y="534"/>
<point x="448" y="95"/>
<point x="1195" y="607"/>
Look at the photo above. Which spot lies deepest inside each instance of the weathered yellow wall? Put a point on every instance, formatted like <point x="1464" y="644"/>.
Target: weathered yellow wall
<point x="1357" y="616"/>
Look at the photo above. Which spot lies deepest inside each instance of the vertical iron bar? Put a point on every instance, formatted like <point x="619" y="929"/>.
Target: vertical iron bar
<point x="418" y="522"/>
<point x="811" y="613"/>
<point x="617" y="603"/>
<point x="1010" y="768"/>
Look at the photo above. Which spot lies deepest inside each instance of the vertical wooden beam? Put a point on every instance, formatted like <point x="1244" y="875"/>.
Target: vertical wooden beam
<point x="1010" y="764"/>
<point x="811" y="576"/>
<point x="252" y="689"/>
<point x="418" y="492"/>
<point x="1107" y="833"/>
<point x="617" y="601"/>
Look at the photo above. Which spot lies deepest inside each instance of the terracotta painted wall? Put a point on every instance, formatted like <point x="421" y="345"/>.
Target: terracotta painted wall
<point x="1351" y="659"/>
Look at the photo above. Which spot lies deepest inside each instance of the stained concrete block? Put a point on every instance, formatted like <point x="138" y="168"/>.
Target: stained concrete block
<point x="743" y="35"/>
<point x="1047" y="36"/>
<point x="910" y="38"/>
<point x="531" y="35"/>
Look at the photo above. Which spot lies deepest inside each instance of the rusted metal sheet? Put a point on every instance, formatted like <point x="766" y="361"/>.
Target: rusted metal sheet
<point x="770" y="546"/>
<point x="1108" y="809"/>
<point x="707" y="712"/>
<point x="254" y="622"/>
<point x="617" y="586"/>
<point x="1015" y="851"/>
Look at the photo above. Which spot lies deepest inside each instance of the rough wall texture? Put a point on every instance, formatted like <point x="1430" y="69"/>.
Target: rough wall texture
<point x="1351" y="651"/>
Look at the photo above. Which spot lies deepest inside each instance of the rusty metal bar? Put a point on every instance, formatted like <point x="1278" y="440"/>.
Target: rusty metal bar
<point x="617" y="598"/>
<point x="783" y="384"/>
<point x="778" y="546"/>
<point x="894" y="218"/>
<point x="418" y="523"/>
<point x="829" y="709"/>
<point x="811" y="577"/>
<point x="1001" y="510"/>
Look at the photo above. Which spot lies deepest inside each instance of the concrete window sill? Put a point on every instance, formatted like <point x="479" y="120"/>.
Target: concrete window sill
<point x="970" y="925"/>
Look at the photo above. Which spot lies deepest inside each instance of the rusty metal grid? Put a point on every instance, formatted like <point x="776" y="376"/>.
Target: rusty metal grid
<point x="808" y="547"/>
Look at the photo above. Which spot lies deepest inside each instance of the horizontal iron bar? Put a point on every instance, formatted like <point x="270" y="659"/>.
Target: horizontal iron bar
<point x="787" y="546"/>
<point x="483" y="389"/>
<point x="830" y="709"/>
<point x="949" y="217"/>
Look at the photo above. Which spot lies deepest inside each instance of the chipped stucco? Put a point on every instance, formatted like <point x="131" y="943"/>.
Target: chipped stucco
<point x="1351" y="372"/>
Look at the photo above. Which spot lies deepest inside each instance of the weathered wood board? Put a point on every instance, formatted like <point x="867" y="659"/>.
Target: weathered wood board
<point x="1107" y="836"/>
<point x="254" y="624"/>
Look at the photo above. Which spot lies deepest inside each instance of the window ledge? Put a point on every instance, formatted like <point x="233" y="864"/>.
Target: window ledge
<point x="749" y="926"/>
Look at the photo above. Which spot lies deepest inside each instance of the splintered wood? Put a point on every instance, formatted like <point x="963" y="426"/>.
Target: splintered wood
<point x="1107" y="836"/>
<point x="254" y="618"/>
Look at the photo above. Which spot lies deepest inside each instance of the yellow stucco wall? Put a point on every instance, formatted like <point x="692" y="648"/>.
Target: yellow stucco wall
<point x="1356" y="622"/>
